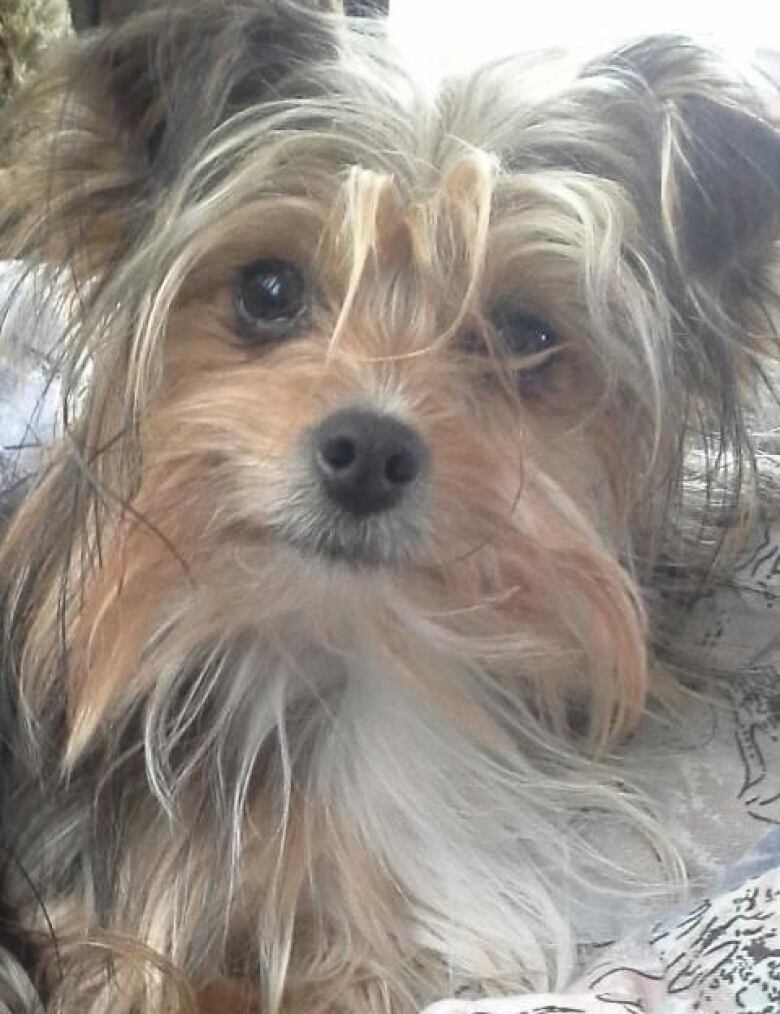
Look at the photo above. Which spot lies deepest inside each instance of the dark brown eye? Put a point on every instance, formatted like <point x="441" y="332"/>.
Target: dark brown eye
<point x="525" y="335"/>
<point x="270" y="298"/>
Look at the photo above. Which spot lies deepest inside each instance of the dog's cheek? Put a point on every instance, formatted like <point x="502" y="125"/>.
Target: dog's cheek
<point x="524" y="558"/>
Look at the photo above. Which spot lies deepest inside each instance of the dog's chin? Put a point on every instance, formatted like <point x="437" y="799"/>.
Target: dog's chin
<point x="359" y="544"/>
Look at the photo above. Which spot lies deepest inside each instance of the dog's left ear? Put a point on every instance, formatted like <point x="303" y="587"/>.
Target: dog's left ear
<point x="719" y="160"/>
<point x="116" y="116"/>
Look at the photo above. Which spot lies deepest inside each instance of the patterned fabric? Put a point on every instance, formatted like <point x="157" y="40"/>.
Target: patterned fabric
<point x="29" y="389"/>
<point x="721" y="957"/>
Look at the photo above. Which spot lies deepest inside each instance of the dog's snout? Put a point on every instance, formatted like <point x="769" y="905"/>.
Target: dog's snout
<point x="367" y="462"/>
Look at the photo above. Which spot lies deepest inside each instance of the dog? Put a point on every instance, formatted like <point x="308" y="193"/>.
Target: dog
<point x="395" y="430"/>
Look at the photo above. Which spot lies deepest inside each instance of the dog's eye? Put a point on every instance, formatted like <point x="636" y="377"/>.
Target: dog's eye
<point x="270" y="298"/>
<point x="525" y="335"/>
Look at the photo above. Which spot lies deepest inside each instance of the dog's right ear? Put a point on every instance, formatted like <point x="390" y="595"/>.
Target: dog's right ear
<point x="174" y="71"/>
<point x="117" y="113"/>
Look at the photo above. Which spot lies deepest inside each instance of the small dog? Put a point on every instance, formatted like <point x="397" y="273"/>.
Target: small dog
<point x="394" y="431"/>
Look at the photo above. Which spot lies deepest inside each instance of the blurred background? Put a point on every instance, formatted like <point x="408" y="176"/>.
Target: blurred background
<point x="439" y="36"/>
<point x="444" y="35"/>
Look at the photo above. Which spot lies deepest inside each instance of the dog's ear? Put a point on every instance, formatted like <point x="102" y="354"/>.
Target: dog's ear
<point x="713" y="162"/>
<point x="93" y="144"/>
<point x="694" y="145"/>
<point x="718" y="161"/>
<point x="173" y="71"/>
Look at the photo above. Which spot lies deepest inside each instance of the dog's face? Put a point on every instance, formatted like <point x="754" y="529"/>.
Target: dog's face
<point x="361" y="399"/>
<point x="371" y="404"/>
<point x="339" y="389"/>
<point x="388" y="359"/>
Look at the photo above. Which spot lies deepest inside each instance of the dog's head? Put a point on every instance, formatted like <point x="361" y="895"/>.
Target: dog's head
<point x="361" y="361"/>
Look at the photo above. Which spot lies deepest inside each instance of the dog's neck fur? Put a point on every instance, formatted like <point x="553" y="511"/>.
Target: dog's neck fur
<point x="361" y="777"/>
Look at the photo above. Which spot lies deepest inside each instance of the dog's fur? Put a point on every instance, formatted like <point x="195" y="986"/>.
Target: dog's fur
<point x="243" y="775"/>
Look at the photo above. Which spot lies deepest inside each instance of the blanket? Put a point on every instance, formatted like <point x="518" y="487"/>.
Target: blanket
<point x="719" y="956"/>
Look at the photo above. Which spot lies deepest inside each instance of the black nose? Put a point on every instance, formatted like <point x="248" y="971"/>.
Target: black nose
<point x="367" y="462"/>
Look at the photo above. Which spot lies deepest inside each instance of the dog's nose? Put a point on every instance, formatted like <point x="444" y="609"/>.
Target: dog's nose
<point x="367" y="462"/>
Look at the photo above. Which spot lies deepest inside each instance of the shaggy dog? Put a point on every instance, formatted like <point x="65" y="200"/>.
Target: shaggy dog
<point x="395" y="430"/>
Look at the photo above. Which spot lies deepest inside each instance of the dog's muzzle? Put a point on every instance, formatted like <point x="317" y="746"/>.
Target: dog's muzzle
<point x="361" y="491"/>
